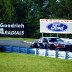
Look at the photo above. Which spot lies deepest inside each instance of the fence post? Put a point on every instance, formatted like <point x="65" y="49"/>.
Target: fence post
<point x="46" y="52"/>
<point x="66" y="55"/>
<point x="56" y="53"/>
<point x="35" y="51"/>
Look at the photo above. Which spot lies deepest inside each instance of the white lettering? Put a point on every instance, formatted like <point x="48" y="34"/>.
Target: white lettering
<point x="1" y="25"/>
<point x="12" y="25"/>
<point x="1" y="31"/>
<point x="6" y="32"/>
<point x="57" y="27"/>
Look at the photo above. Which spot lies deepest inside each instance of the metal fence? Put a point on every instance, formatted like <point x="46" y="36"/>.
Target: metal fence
<point x="37" y="51"/>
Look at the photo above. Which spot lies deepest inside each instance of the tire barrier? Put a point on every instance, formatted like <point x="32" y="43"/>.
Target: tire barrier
<point x="23" y="50"/>
<point x="37" y="51"/>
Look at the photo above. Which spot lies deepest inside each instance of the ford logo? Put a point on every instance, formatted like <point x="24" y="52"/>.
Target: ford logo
<point x="57" y="26"/>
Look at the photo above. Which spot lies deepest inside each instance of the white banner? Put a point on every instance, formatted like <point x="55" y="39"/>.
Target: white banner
<point x="55" y="26"/>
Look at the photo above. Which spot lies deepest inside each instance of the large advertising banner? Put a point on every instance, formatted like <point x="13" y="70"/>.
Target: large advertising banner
<point x="56" y="26"/>
<point x="12" y="29"/>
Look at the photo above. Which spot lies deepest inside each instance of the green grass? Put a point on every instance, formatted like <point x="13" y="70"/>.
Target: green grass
<point x="12" y="62"/>
<point x="11" y="38"/>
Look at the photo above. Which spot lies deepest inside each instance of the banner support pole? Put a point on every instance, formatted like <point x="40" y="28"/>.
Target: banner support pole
<point x="57" y="34"/>
<point x="50" y="34"/>
<point x="42" y="34"/>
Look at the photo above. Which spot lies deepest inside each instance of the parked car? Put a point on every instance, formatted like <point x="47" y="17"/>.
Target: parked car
<point x="68" y="44"/>
<point x="48" y="42"/>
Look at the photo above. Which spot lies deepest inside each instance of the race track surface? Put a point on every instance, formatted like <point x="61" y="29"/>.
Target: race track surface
<point x="14" y="43"/>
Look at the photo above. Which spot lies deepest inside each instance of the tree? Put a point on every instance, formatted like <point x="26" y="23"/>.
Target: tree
<point x="6" y="11"/>
<point x="64" y="9"/>
<point x="20" y="10"/>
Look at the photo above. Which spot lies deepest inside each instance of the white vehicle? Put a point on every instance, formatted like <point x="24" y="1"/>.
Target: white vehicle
<point x="68" y="44"/>
<point x="51" y="42"/>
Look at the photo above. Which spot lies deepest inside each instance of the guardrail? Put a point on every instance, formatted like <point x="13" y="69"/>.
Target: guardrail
<point x="40" y="52"/>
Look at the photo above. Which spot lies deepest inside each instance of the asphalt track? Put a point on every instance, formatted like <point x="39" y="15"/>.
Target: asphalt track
<point x="14" y="43"/>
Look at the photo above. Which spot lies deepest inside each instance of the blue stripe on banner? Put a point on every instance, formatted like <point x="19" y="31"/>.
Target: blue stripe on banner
<point x="16" y="49"/>
<point x="23" y="50"/>
<point x="7" y="48"/>
<point x="32" y="50"/>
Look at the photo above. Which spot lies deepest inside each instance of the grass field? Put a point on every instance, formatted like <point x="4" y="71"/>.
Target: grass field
<point x="12" y="62"/>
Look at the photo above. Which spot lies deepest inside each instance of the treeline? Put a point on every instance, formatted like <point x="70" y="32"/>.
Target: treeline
<point x="30" y="11"/>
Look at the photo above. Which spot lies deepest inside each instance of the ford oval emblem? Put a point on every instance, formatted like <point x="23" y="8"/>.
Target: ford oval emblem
<point x="57" y="26"/>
